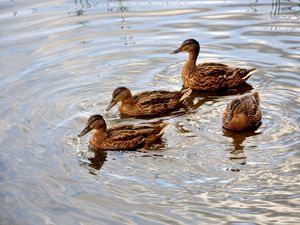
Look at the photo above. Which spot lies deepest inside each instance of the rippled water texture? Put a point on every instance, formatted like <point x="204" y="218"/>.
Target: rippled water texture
<point x="60" y="61"/>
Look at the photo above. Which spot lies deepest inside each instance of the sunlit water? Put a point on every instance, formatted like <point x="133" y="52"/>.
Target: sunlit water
<point x="61" y="60"/>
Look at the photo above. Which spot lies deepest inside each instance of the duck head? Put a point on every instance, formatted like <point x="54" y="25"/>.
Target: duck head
<point x="189" y="45"/>
<point x="94" y="122"/>
<point x="238" y="109"/>
<point x="120" y="94"/>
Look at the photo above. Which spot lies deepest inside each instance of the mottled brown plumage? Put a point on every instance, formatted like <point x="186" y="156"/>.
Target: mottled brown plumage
<point x="209" y="76"/>
<point x="150" y="103"/>
<point x="122" y="137"/>
<point x="242" y="113"/>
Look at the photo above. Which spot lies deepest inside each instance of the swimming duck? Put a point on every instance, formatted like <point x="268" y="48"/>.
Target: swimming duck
<point x="242" y="113"/>
<point x="149" y="103"/>
<point x="209" y="76"/>
<point x="122" y="137"/>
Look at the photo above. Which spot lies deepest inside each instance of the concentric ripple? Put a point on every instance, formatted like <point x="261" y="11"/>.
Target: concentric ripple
<point x="60" y="64"/>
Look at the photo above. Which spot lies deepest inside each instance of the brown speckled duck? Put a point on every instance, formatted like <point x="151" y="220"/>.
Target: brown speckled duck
<point x="149" y="103"/>
<point x="242" y="113"/>
<point x="122" y="137"/>
<point x="209" y="76"/>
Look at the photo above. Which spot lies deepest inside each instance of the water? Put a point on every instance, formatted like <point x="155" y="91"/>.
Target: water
<point x="61" y="60"/>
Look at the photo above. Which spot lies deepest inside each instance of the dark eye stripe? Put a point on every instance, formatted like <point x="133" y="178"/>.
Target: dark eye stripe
<point x="118" y="90"/>
<point x="234" y="104"/>
<point x="190" y="42"/>
<point x="93" y="118"/>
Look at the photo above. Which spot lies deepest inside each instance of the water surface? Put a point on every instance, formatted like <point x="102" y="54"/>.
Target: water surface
<point x="61" y="60"/>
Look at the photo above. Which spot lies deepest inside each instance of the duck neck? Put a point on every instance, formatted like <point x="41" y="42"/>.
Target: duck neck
<point x="128" y="100"/>
<point x="191" y="62"/>
<point x="99" y="135"/>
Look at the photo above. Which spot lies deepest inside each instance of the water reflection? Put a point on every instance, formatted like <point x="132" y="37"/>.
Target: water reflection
<point x="198" y="98"/>
<point x="285" y="11"/>
<point x="237" y="154"/>
<point x="94" y="161"/>
<point x="81" y="5"/>
<point x="281" y="10"/>
<point x="120" y="8"/>
<point x="59" y="82"/>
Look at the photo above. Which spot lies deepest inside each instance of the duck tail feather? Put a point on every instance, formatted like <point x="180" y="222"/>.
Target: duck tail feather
<point x="186" y="93"/>
<point x="249" y="74"/>
<point x="164" y="126"/>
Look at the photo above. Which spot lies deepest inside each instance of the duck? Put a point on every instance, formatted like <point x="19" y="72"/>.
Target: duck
<point x="209" y="76"/>
<point x="148" y="103"/>
<point x="124" y="136"/>
<point x="243" y="113"/>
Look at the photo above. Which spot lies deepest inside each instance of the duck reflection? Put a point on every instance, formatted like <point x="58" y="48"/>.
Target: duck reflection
<point x="237" y="154"/>
<point x="198" y="98"/>
<point x="94" y="161"/>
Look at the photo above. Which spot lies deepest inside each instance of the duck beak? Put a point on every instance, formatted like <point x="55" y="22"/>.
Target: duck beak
<point x="85" y="131"/>
<point x="111" y="104"/>
<point x="176" y="51"/>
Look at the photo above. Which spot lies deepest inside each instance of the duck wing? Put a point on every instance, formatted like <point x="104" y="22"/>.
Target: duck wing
<point x="130" y="144"/>
<point x="250" y="106"/>
<point x="214" y="69"/>
<point x="156" y="97"/>
<point x="127" y="136"/>
<point x="122" y="140"/>
<point x="225" y="71"/>
<point x="246" y="105"/>
<point x="155" y="102"/>
<point x="128" y="128"/>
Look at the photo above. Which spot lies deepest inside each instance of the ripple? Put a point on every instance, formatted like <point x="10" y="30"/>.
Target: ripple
<point x="60" y="64"/>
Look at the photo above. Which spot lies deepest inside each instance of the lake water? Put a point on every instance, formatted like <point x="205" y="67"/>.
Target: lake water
<point x="61" y="60"/>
